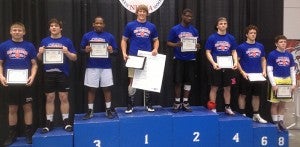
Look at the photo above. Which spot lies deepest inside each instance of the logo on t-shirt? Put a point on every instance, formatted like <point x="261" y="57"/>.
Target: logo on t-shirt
<point x="222" y="46"/>
<point x="185" y="34"/>
<point x="97" y="40"/>
<point x="55" y="45"/>
<point x="283" y="61"/>
<point x="17" y="53"/>
<point x="142" y="32"/>
<point x="253" y="52"/>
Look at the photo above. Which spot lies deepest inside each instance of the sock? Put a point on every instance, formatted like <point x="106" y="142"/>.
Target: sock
<point x="255" y="112"/>
<point x="275" y="118"/>
<point x="185" y="100"/>
<point x="280" y="117"/>
<point x="108" y="104"/>
<point x="91" y="106"/>
<point x="49" y="117"/>
<point x="65" y="116"/>
<point x="242" y="111"/>
<point x="177" y="99"/>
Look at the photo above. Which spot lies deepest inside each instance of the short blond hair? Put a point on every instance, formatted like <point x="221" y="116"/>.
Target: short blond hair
<point x="18" y="25"/>
<point x="142" y="7"/>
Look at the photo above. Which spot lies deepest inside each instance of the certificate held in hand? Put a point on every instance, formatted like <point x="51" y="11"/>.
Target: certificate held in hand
<point x="225" y="61"/>
<point x="99" y="50"/>
<point x="17" y="76"/>
<point x="284" y="92"/>
<point x="189" y="44"/>
<point x="137" y="62"/>
<point x="53" y="55"/>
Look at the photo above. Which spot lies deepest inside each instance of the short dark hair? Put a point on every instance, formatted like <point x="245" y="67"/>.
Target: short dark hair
<point x="277" y="38"/>
<point x="251" y="27"/>
<point x="142" y="7"/>
<point x="187" y="10"/>
<point x="219" y="19"/>
<point x="18" y="24"/>
<point x="54" y="20"/>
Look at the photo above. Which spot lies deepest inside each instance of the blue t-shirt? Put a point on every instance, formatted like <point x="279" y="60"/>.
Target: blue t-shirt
<point x="281" y="63"/>
<point x="94" y="36"/>
<point x="250" y="56"/>
<point x="59" y="42"/>
<point x="178" y="32"/>
<point x="17" y="55"/>
<point x="220" y="45"/>
<point x="141" y="36"/>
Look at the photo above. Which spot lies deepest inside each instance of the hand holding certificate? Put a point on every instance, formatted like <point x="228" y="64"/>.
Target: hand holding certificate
<point x="17" y="76"/>
<point x="137" y="62"/>
<point x="225" y="61"/>
<point x="99" y="50"/>
<point x="189" y="44"/>
<point x="53" y="56"/>
<point x="284" y="91"/>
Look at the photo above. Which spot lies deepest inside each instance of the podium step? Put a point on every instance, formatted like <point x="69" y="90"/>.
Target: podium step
<point x="264" y="134"/>
<point x="55" y="138"/>
<point x="20" y="142"/>
<point x="142" y="128"/>
<point x="196" y="128"/>
<point x="97" y="131"/>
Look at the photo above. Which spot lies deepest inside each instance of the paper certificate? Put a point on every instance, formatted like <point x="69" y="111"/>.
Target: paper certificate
<point x="189" y="44"/>
<point x="284" y="91"/>
<point x="137" y="62"/>
<point x="151" y="77"/>
<point x="53" y="56"/>
<point x="225" y="61"/>
<point x="99" y="50"/>
<point x="17" y="76"/>
<point x="253" y="77"/>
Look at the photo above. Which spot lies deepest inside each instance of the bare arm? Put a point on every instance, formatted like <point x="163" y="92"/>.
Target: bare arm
<point x="211" y="60"/>
<point x="2" y="78"/>
<point x="34" y="68"/>
<point x="264" y="66"/>
<point x="124" y="47"/>
<point x="71" y="56"/>
<point x="155" y="47"/>
<point x="235" y="60"/>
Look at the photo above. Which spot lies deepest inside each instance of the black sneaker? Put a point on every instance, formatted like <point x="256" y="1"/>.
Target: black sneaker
<point x="150" y="108"/>
<point x="129" y="109"/>
<point x="281" y="126"/>
<point x="109" y="114"/>
<point x="12" y="136"/>
<point x="176" y="107"/>
<point x="88" y="115"/>
<point x="186" y="107"/>
<point x="48" y="127"/>
<point x="68" y="125"/>
<point x="28" y="134"/>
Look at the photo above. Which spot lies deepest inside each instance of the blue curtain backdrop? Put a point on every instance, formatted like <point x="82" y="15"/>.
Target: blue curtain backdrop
<point x="77" y="17"/>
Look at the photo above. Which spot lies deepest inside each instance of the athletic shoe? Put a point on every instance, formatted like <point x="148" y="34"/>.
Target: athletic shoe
<point x="229" y="111"/>
<point x="176" y="107"/>
<point x="186" y="107"/>
<point x="281" y="126"/>
<point x="129" y="109"/>
<point x="48" y="127"/>
<point x="150" y="108"/>
<point x="68" y="125"/>
<point x="109" y="114"/>
<point x="88" y="115"/>
<point x="214" y="110"/>
<point x="12" y="136"/>
<point x="257" y="118"/>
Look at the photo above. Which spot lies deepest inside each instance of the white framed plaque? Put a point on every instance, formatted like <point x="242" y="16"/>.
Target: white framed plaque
<point x="189" y="44"/>
<point x="17" y="76"/>
<point x="284" y="92"/>
<point x="137" y="62"/>
<point x="99" y="50"/>
<point x="53" y="55"/>
<point x="225" y="61"/>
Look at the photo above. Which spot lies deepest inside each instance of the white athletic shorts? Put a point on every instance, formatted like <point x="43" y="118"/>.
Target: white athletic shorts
<point x="95" y="76"/>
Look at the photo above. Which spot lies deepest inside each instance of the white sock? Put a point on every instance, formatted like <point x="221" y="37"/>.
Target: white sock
<point x="275" y="118"/>
<point x="280" y="117"/>
<point x="185" y="99"/>
<point x="91" y="106"/>
<point x="177" y="99"/>
<point x="50" y="117"/>
<point x="65" y="116"/>
<point x="108" y="104"/>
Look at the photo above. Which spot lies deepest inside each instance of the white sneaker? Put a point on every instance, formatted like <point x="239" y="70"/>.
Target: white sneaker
<point x="229" y="111"/>
<point x="257" y="118"/>
<point x="214" y="110"/>
<point x="150" y="108"/>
